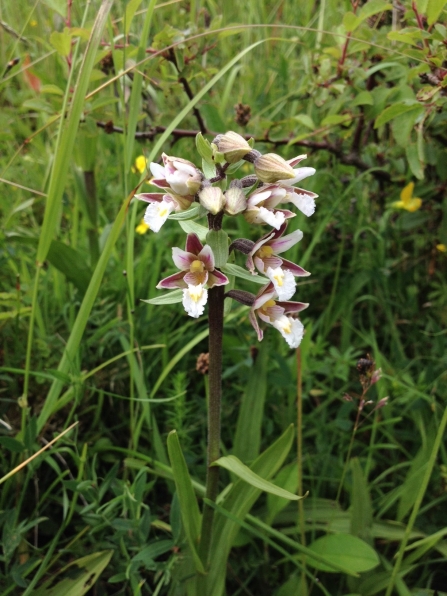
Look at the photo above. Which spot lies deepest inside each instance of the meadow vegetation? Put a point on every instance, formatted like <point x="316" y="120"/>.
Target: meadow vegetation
<point x="90" y="95"/>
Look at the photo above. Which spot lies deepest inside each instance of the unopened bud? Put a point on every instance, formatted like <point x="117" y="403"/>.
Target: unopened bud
<point x="377" y="374"/>
<point x="235" y="201"/>
<point x="233" y="146"/>
<point x="271" y="167"/>
<point x="212" y="198"/>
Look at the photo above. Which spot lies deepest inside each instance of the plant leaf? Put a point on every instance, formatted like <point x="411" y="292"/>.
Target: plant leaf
<point x="234" y="465"/>
<point x="345" y="550"/>
<point x="169" y="298"/>
<point x="71" y="263"/>
<point x="396" y="110"/>
<point x="237" y="271"/>
<point x="187" y="499"/>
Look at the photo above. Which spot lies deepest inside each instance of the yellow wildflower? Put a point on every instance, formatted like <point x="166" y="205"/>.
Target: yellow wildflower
<point x="441" y="247"/>
<point x="142" y="227"/>
<point x="407" y="201"/>
<point x="33" y="23"/>
<point x="140" y="165"/>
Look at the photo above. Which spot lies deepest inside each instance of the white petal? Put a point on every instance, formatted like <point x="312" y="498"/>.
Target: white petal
<point x="194" y="300"/>
<point x="273" y="219"/>
<point x="157" y="213"/>
<point x="284" y="282"/>
<point x="291" y="329"/>
<point x="304" y="203"/>
<point x="157" y="170"/>
<point x="300" y="174"/>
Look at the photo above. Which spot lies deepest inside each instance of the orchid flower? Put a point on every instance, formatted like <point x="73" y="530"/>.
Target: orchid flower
<point x="180" y="175"/>
<point x="161" y="206"/>
<point x="196" y="264"/>
<point x="261" y="206"/>
<point x="281" y="272"/>
<point x="279" y="314"/>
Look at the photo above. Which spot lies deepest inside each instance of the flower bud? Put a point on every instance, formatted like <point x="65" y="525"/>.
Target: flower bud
<point x="212" y="198"/>
<point x="235" y="201"/>
<point x="233" y="146"/>
<point x="271" y="167"/>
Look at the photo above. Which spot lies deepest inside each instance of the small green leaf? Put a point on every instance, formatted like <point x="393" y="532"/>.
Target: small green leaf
<point x="81" y="576"/>
<point x="237" y="271"/>
<point x="350" y="22"/>
<point x="71" y="263"/>
<point x="364" y="98"/>
<point x="373" y="7"/>
<point x="204" y="148"/>
<point x="234" y="465"/>
<point x="61" y="41"/>
<point x="396" y="110"/>
<point x="305" y="120"/>
<point x="194" y="211"/>
<point x="187" y="499"/>
<point x="153" y="551"/>
<point x="416" y="166"/>
<point x="345" y="550"/>
<point x="170" y="298"/>
<point x="403" y="37"/>
<point x="12" y="444"/>
<point x="218" y="241"/>
<point x="131" y="9"/>
<point x="333" y="119"/>
<point x="191" y="227"/>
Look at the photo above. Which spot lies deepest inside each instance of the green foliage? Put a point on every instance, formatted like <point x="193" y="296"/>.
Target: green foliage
<point x="361" y="88"/>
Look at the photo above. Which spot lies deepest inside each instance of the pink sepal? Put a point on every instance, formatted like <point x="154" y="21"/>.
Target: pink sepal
<point x="295" y="269"/>
<point x="173" y="281"/>
<point x="290" y="307"/>
<point x="193" y="244"/>
<point x="182" y="259"/>
<point x="150" y="197"/>
<point x="254" y="322"/>
<point x="207" y="257"/>
<point x="216" y="278"/>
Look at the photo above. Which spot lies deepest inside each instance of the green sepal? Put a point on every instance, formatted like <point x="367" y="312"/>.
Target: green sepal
<point x="218" y="241"/>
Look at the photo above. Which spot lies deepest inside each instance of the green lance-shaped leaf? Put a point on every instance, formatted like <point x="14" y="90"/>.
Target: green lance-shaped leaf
<point x="169" y="298"/>
<point x="345" y="550"/>
<point x="83" y="574"/>
<point x="247" y="439"/>
<point x="218" y="241"/>
<point x="187" y="499"/>
<point x="71" y="263"/>
<point x="204" y="148"/>
<point x="234" y="465"/>
<point x="396" y="110"/>
<point x="238" y="502"/>
<point x="237" y="271"/>
<point x="67" y="135"/>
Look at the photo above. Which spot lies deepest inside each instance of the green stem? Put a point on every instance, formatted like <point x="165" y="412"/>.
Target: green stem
<point x="215" y="320"/>
<point x="23" y="401"/>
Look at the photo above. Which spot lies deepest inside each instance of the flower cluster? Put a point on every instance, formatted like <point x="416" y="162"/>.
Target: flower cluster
<point x="260" y="199"/>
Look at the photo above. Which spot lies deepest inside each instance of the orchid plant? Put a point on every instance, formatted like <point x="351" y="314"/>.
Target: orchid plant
<point x="206" y="265"/>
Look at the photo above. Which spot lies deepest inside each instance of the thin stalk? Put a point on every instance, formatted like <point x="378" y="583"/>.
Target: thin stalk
<point x="23" y="400"/>
<point x="215" y="320"/>
<point x="216" y="298"/>
<point x="348" y="456"/>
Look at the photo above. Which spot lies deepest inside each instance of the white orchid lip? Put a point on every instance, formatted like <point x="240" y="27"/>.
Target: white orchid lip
<point x="194" y="300"/>
<point x="283" y="281"/>
<point x="157" y="213"/>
